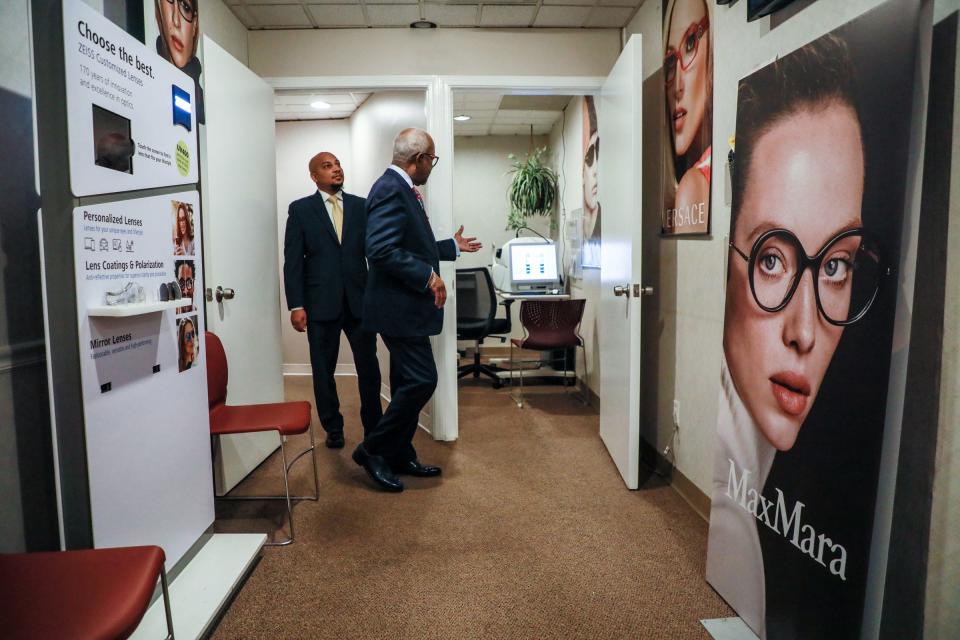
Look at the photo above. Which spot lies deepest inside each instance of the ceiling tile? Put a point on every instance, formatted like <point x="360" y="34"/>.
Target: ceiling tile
<point x="506" y="15"/>
<point x="286" y="15"/>
<point x="244" y="17"/>
<point x="337" y="15"/>
<point x="561" y="16"/>
<point x="392" y="15"/>
<point x="609" y="17"/>
<point x="451" y="15"/>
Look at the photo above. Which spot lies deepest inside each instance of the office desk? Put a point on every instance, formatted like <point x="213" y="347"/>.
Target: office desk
<point x="506" y="295"/>
<point x="544" y="370"/>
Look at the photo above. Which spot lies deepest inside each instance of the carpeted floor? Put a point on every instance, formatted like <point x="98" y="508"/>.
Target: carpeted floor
<point x="530" y="533"/>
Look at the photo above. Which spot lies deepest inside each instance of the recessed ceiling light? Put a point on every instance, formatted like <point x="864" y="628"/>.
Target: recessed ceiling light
<point x="320" y="104"/>
<point x="423" y="24"/>
<point x="461" y="118"/>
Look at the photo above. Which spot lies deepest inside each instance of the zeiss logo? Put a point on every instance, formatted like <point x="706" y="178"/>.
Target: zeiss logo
<point x="182" y="109"/>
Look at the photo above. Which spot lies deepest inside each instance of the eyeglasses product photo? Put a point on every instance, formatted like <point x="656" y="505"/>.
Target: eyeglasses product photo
<point x="687" y="53"/>
<point x="847" y="272"/>
<point x="132" y="293"/>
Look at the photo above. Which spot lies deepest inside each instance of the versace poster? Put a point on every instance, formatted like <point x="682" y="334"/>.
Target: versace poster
<point x="688" y="117"/>
<point x="819" y="183"/>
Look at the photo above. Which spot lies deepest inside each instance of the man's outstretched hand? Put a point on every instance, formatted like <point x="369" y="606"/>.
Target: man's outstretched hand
<point x="439" y="290"/>
<point x="469" y="245"/>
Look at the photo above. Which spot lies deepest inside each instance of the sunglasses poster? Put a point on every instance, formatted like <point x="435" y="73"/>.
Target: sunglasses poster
<point x="688" y="117"/>
<point x="819" y="181"/>
<point x="590" y="219"/>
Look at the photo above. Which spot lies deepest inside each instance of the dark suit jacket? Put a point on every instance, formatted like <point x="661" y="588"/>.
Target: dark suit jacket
<point x="402" y="251"/>
<point x="319" y="272"/>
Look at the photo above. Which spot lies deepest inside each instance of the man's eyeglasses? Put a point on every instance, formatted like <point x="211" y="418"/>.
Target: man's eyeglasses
<point x="689" y="45"/>
<point x="433" y="159"/>
<point x="592" y="154"/>
<point x="187" y="8"/>
<point x="186" y="284"/>
<point x="848" y="272"/>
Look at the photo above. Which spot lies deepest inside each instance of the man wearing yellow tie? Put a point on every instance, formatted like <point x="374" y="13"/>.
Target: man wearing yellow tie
<point x="325" y="274"/>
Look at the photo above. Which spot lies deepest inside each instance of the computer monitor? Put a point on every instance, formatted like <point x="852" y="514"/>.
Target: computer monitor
<point x="533" y="266"/>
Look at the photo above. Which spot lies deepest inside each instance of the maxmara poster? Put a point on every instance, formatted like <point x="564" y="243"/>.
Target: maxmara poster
<point x="822" y="146"/>
<point x="688" y="117"/>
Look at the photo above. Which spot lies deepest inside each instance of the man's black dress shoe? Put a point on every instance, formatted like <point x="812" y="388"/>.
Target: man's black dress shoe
<point x="415" y="468"/>
<point x="335" y="440"/>
<point x="378" y="469"/>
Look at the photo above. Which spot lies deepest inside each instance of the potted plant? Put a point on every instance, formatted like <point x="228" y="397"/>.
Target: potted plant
<point x="533" y="190"/>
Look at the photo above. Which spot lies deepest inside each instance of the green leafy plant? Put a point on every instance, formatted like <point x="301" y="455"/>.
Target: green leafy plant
<point x="533" y="190"/>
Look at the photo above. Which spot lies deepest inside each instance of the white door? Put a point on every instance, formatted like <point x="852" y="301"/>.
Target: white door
<point x="240" y="246"/>
<point x="620" y="191"/>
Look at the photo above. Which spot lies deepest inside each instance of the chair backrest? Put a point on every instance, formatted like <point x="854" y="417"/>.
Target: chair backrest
<point x="216" y="370"/>
<point x="552" y="324"/>
<point x="476" y="301"/>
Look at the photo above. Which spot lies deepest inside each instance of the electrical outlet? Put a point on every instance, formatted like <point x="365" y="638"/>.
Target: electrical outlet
<point x="676" y="412"/>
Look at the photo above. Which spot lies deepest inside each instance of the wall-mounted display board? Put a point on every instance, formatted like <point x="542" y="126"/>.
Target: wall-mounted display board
<point x="688" y="117"/>
<point x="809" y="382"/>
<point x="138" y="278"/>
<point x="131" y="122"/>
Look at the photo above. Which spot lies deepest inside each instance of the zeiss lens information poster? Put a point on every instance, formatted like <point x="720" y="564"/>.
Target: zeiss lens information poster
<point x="130" y="112"/>
<point x="139" y="282"/>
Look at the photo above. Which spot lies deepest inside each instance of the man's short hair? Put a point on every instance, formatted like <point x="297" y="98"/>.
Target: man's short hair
<point x="408" y="144"/>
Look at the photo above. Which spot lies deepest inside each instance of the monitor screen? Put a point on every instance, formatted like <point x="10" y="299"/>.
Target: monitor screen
<point x="535" y="262"/>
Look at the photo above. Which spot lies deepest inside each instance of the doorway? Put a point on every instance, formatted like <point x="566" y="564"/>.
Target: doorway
<point x="493" y="131"/>
<point x="357" y="126"/>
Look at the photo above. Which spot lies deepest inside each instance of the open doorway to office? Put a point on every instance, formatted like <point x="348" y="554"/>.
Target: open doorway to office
<point x="358" y="127"/>
<point x="534" y="260"/>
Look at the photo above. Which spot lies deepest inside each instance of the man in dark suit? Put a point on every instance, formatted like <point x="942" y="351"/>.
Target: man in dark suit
<point x="325" y="273"/>
<point x="404" y="303"/>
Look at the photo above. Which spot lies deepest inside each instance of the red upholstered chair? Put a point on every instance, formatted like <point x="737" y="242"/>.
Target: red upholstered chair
<point x="286" y="418"/>
<point x="550" y="325"/>
<point x="93" y="594"/>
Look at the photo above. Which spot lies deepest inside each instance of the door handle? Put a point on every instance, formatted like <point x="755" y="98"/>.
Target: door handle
<point x="645" y="291"/>
<point x="621" y="290"/>
<point x="224" y="294"/>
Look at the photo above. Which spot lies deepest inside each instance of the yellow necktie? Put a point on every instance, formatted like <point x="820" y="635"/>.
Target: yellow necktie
<point x="337" y="213"/>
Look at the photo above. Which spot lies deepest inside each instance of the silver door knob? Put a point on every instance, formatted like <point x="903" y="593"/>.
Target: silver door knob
<point x="621" y="290"/>
<point x="225" y="294"/>
<point x="646" y="291"/>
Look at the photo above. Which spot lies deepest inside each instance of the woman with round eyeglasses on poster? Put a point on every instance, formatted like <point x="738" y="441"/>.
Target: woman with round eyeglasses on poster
<point x="179" y="24"/>
<point x="802" y="268"/>
<point x="688" y="85"/>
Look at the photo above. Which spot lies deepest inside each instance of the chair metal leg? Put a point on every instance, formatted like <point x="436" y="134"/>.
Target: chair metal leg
<point x="286" y="488"/>
<point x="585" y="391"/>
<point x="166" y="602"/>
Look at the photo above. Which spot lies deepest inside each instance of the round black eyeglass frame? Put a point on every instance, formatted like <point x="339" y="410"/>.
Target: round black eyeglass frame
<point x="183" y="12"/>
<point x="814" y="263"/>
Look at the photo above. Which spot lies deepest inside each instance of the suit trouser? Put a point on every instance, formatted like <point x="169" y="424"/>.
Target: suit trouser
<point x="324" y="339"/>
<point x="413" y="379"/>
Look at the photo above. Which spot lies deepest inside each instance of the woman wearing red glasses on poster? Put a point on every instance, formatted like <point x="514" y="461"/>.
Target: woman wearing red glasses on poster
<point x="688" y="89"/>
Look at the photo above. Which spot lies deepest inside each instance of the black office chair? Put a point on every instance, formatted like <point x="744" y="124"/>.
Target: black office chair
<point x="477" y="318"/>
